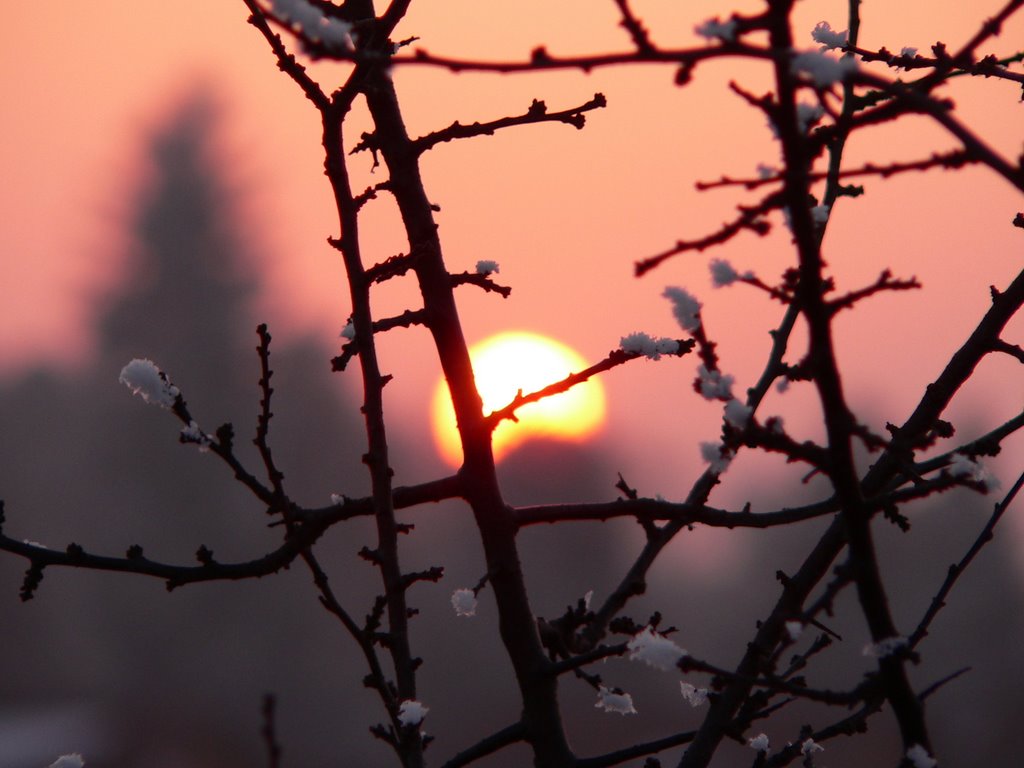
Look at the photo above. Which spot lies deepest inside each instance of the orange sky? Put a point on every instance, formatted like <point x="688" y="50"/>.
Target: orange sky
<point x="564" y="212"/>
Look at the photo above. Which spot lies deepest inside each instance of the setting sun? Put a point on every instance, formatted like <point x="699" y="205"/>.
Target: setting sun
<point x="504" y="364"/>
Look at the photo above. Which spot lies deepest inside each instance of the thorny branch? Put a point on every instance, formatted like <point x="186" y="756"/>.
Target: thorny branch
<point x="540" y="652"/>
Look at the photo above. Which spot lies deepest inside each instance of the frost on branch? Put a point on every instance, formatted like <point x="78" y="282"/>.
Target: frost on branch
<point x="615" y="701"/>
<point x="194" y="434"/>
<point x="737" y="414"/>
<point x="884" y="648"/>
<point x="713" y="29"/>
<point x="696" y="697"/>
<point x="759" y="743"/>
<point x="819" y="214"/>
<point x="640" y="343"/>
<point x="654" y="650"/>
<point x="717" y="456"/>
<point x="464" y="602"/>
<point x="810" y="747"/>
<point x="486" y="267"/>
<point x="723" y="273"/>
<point x="794" y="629"/>
<point x="714" y="385"/>
<point x="147" y="381"/>
<point x="309" y="21"/>
<point x="74" y="760"/>
<point x="823" y="70"/>
<point x="808" y="114"/>
<point x="967" y="468"/>
<point x="412" y="712"/>
<point x="828" y="37"/>
<point x="685" y="307"/>
<point x="920" y="758"/>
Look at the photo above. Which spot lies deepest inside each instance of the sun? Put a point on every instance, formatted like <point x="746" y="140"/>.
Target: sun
<point x="507" y="362"/>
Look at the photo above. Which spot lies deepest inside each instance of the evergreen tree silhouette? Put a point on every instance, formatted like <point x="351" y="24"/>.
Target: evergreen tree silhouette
<point x="151" y="668"/>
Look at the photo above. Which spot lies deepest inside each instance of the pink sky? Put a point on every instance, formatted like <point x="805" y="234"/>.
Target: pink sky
<point x="564" y="212"/>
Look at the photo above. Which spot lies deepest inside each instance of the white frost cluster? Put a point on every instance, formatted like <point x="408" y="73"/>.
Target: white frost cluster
<point x="696" y="697"/>
<point x="74" y="760"/>
<point x="714" y="385"/>
<point x="411" y="712"/>
<point x="349" y="331"/>
<point x="193" y="434"/>
<point x="337" y="499"/>
<point x="147" y="381"/>
<point x="759" y="742"/>
<point x="919" y="757"/>
<point x="737" y="414"/>
<point x="828" y="37"/>
<point x="685" y="307"/>
<point x="486" y="267"/>
<point x="464" y="602"/>
<point x="311" y="22"/>
<point x="654" y="650"/>
<point x="723" y="273"/>
<point x="640" y="343"/>
<point x="823" y="70"/>
<point x="713" y="29"/>
<point x="965" y="467"/>
<point x="819" y="213"/>
<point x="610" y="701"/>
<point x="808" y="114"/>
<point x="883" y="648"/>
<point x="765" y="171"/>
<point x="810" y="746"/>
<point x="794" y="629"/>
<point x="713" y="455"/>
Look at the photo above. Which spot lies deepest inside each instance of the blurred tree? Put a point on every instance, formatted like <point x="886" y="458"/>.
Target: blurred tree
<point x="149" y="667"/>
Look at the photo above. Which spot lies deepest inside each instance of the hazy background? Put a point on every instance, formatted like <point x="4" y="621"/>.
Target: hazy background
<point x="164" y="194"/>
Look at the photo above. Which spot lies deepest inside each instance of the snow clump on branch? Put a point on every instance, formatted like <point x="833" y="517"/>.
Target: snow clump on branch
<point x="486" y="267"/>
<point x="615" y="701"/>
<point x="311" y="22"/>
<point x="654" y="650"/>
<point x="464" y="602"/>
<point x="723" y="273"/>
<point x="696" y="697"/>
<point x="759" y="742"/>
<point x="412" y="712"/>
<point x="967" y="468"/>
<point x="194" y="434"/>
<point x="919" y="757"/>
<point x="716" y="455"/>
<point x="714" y="385"/>
<point x="884" y="648"/>
<point x="810" y="746"/>
<point x="823" y="70"/>
<point x="713" y="29"/>
<point x="828" y="37"/>
<point x="640" y="343"/>
<point x="74" y="760"/>
<point x="737" y="414"/>
<point x="147" y="381"/>
<point x="685" y="307"/>
<point x="820" y="214"/>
